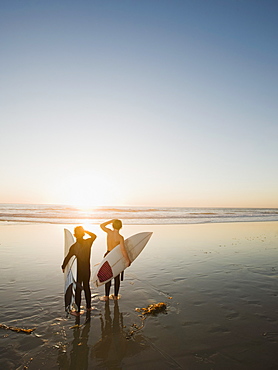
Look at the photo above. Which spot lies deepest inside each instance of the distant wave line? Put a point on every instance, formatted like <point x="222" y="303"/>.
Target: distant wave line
<point x="103" y="217"/>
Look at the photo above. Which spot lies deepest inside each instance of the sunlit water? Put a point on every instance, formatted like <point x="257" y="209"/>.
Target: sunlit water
<point x="219" y="282"/>
<point x="55" y="214"/>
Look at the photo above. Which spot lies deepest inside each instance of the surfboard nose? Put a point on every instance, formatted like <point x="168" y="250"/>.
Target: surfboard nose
<point x="148" y="235"/>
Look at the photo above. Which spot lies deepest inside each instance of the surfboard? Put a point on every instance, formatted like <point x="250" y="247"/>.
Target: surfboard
<point x="114" y="263"/>
<point x="70" y="273"/>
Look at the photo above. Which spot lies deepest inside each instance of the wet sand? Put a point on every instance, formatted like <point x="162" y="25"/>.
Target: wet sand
<point x="219" y="282"/>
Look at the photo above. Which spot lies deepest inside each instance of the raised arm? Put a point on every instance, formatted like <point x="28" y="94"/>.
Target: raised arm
<point x="124" y="252"/>
<point x="92" y="235"/>
<point x="103" y="226"/>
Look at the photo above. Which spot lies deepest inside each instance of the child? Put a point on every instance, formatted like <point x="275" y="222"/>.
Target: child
<point x="82" y="250"/>
<point x="114" y="238"/>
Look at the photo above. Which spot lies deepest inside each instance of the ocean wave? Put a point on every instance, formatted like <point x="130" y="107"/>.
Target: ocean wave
<point x="203" y="213"/>
<point x="123" y="210"/>
<point x="132" y="215"/>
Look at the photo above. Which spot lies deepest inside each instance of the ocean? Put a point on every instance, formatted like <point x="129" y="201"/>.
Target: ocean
<point x="61" y="214"/>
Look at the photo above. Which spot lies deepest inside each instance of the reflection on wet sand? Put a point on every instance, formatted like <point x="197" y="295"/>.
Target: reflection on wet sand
<point x="109" y="351"/>
<point x="79" y="352"/>
<point x="114" y="344"/>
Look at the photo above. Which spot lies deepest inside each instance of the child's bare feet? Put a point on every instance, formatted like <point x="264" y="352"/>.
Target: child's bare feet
<point x="104" y="298"/>
<point x="114" y="297"/>
<point x="75" y="313"/>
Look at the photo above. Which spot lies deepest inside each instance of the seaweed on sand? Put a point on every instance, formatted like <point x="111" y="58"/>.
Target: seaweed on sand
<point x="153" y="309"/>
<point x="18" y="330"/>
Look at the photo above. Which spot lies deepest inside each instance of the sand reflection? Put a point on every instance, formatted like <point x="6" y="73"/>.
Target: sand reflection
<point x="79" y="353"/>
<point x="115" y="343"/>
<point x="110" y="351"/>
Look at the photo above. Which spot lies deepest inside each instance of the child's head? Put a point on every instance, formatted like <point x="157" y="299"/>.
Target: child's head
<point x="117" y="224"/>
<point x="79" y="232"/>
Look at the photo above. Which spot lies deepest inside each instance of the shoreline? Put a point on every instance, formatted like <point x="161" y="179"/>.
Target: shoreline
<point x="14" y="223"/>
<point x="134" y="215"/>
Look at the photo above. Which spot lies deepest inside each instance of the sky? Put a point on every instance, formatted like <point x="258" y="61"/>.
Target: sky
<point x="143" y="103"/>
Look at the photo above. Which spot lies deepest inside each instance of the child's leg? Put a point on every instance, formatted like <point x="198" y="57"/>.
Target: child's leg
<point x="107" y="288"/>
<point x="117" y="285"/>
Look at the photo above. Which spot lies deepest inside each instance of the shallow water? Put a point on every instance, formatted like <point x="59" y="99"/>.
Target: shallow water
<point x="218" y="280"/>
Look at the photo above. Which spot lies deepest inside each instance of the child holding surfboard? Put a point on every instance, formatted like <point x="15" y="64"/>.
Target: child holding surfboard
<point x="82" y="250"/>
<point x="114" y="238"/>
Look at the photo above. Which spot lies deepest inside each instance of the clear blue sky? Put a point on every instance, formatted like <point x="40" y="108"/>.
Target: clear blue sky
<point x="170" y="103"/>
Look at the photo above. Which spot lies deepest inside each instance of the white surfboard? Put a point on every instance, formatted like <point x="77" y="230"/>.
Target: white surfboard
<point x="114" y="263"/>
<point x="70" y="273"/>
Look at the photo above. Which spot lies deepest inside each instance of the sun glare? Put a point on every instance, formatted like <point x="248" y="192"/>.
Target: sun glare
<point x="87" y="191"/>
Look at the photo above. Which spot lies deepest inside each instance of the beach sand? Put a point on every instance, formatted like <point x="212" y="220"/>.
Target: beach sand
<point x="219" y="282"/>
